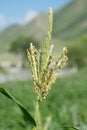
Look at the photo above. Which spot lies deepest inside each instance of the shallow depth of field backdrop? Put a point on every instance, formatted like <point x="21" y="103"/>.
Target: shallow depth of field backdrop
<point x="22" y="22"/>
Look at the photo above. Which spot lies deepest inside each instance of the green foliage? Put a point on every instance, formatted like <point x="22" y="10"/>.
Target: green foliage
<point x="78" y="53"/>
<point x="19" y="48"/>
<point x="20" y="45"/>
<point x="2" y="70"/>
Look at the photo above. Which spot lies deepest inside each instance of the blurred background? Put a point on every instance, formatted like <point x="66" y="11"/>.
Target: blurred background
<point x="22" y="22"/>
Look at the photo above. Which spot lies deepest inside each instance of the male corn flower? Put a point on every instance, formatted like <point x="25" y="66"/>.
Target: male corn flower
<point x="44" y="69"/>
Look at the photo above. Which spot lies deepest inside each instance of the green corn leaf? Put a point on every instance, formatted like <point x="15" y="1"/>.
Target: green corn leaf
<point x="67" y="126"/>
<point x="26" y="114"/>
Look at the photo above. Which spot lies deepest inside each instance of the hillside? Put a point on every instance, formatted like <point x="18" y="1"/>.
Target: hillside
<point x="8" y="35"/>
<point x="37" y="28"/>
<point x="69" y="23"/>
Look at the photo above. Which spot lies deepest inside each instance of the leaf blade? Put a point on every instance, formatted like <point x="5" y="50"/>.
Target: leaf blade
<point x="23" y="109"/>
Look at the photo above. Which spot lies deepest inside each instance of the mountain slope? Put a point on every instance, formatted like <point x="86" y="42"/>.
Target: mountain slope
<point x="36" y="28"/>
<point x="8" y="35"/>
<point x="71" y="21"/>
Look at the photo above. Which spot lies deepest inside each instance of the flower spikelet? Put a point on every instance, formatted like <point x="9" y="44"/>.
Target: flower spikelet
<point x="43" y="68"/>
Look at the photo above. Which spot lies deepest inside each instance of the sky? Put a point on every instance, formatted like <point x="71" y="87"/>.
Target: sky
<point x="23" y="11"/>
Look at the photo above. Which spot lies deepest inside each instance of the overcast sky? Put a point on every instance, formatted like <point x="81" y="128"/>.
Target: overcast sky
<point x="22" y="11"/>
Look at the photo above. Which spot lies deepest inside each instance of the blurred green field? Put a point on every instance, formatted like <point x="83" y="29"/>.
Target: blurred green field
<point x="67" y="98"/>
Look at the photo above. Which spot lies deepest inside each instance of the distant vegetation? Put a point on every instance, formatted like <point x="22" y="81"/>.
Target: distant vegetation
<point x="66" y="99"/>
<point x="78" y="53"/>
<point x="20" y="45"/>
<point x="2" y="70"/>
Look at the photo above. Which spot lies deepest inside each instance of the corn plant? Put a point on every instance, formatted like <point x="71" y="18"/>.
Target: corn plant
<point x="44" y="71"/>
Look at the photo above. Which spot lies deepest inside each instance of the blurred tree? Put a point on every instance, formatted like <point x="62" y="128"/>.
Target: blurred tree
<point x="19" y="46"/>
<point x="78" y="53"/>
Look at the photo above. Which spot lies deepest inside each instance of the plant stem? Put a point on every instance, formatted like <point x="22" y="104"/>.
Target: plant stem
<point x="36" y="115"/>
<point x="36" y="111"/>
